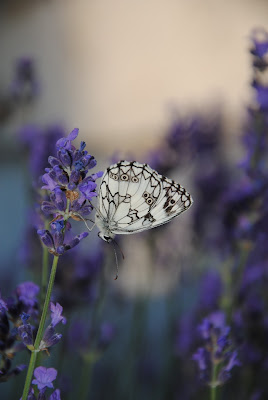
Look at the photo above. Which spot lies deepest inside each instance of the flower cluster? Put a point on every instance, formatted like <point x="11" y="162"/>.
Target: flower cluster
<point x="217" y="354"/>
<point x="50" y="337"/>
<point x="13" y="311"/>
<point x="255" y="138"/>
<point x="71" y="189"/>
<point x="43" y="379"/>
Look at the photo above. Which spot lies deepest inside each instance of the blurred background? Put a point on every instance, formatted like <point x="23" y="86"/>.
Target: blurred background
<point x="114" y="69"/>
<point x="171" y="83"/>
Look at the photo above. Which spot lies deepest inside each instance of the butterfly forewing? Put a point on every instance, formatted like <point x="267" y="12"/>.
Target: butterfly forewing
<point x="133" y="197"/>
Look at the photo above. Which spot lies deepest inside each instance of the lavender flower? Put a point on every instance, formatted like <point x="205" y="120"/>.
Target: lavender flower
<point x="217" y="351"/>
<point x="55" y="395"/>
<point x="56" y="317"/>
<point x="42" y="396"/>
<point x="24" y="86"/>
<point x="26" y="293"/>
<point x="25" y="331"/>
<point x="44" y="377"/>
<point x="54" y="241"/>
<point x="8" y="341"/>
<point x="26" y="301"/>
<point x="71" y="189"/>
<point x="50" y="337"/>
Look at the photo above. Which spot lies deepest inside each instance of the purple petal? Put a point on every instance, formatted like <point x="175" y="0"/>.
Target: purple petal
<point x="73" y="135"/>
<point x="44" y="377"/>
<point x="56" y="311"/>
<point x="50" y="184"/>
<point x="55" y="395"/>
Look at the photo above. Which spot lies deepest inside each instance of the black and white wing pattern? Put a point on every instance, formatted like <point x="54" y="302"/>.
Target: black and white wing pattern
<point x="133" y="197"/>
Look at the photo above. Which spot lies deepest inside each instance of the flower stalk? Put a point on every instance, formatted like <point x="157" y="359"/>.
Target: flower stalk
<point x="40" y="329"/>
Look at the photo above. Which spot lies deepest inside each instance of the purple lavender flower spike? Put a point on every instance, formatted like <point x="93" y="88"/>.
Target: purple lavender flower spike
<point x="217" y="349"/>
<point x="56" y="317"/>
<point x="55" y="395"/>
<point x="44" y="377"/>
<point x="27" y="292"/>
<point x="70" y="193"/>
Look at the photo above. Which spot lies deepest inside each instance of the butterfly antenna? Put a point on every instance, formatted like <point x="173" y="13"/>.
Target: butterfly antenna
<point x="116" y="260"/>
<point x="122" y="254"/>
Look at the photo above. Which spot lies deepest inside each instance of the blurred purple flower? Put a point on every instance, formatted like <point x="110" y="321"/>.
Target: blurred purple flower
<point x="259" y="48"/>
<point x="211" y="289"/>
<point x="3" y="304"/>
<point x="25" y="331"/>
<point x="55" y="395"/>
<point x="217" y="349"/>
<point x="24" y="86"/>
<point x="40" y="143"/>
<point x="106" y="335"/>
<point x="44" y="377"/>
<point x="27" y="292"/>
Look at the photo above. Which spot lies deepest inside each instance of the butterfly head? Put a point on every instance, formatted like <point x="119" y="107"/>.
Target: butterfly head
<point x="105" y="237"/>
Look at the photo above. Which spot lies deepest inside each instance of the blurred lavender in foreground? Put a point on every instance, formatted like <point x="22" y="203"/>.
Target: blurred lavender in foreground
<point x="23" y="89"/>
<point x="217" y="358"/>
<point x="24" y="86"/>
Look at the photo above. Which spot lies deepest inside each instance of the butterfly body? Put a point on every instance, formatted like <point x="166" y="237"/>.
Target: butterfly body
<point x="133" y="198"/>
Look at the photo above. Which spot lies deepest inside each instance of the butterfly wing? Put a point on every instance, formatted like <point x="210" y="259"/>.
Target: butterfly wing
<point x="134" y="197"/>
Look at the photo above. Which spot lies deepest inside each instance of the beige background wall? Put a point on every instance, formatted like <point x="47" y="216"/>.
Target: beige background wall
<point x="114" y="67"/>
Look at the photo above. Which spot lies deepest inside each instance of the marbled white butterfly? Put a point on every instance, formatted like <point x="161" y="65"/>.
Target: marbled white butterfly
<point x="133" y="197"/>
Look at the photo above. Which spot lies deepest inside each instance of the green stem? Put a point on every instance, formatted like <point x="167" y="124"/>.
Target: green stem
<point x="85" y="379"/>
<point x="29" y="375"/>
<point x="44" y="274"/>
<point x="213" y="385"/>
<point x="90" y="359"/>
<point x="40" y="329"/>
<point x="213" y="393"/>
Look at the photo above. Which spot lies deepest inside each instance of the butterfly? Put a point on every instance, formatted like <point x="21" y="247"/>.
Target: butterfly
<point x="133" y="198"/>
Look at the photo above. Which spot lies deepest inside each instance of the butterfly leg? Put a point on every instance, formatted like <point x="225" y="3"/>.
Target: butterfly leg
<point x="83" y="219"/>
